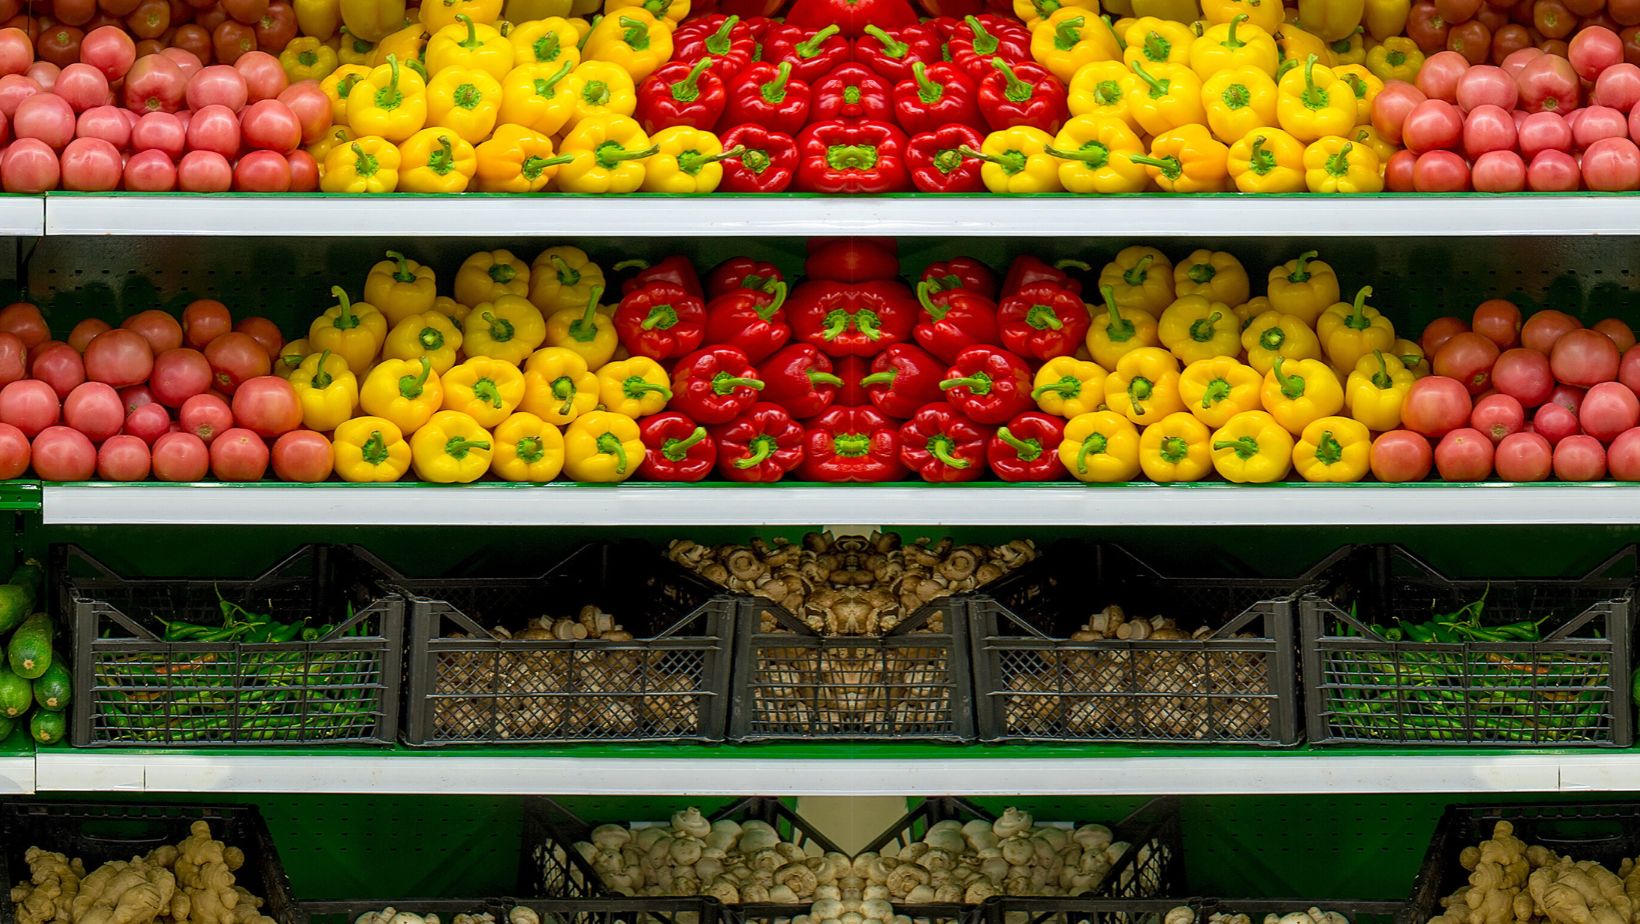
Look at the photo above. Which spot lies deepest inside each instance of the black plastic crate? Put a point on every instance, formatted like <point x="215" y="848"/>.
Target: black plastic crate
<point x="346" y="912"/>
<point x="919" y="914"/>
<point x="1571" y="689"/>
<point x="1155" y="910"/>
<point x="671" y="683"/>
<point x="1033" y="684"/>
<point x="549" y="911"/>
<point x="97" y="832"/>
<point x="134" y="689"/>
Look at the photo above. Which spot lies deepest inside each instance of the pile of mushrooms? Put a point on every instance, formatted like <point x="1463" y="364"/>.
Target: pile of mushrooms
<point x="1185" y="915"/>
<point x="731" y="861"/>
<point x="390" y="915"/>
<point x="591" y="622"/>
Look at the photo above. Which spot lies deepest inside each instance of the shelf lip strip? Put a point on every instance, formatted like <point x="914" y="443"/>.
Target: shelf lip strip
<point x="17" y="775"/>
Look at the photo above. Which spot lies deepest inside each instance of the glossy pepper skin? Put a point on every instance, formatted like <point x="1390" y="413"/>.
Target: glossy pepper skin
<point x="937" y="164"/>
<point x="799" y="378"/>
<point x="851" y="319"/>
<point x="1096" y="156"/>
<point x="741" y="273"/>
<point x="308" y="58"/>
<point x="768" y="96"/>
<point x="811" y="52"/>
<point x="327" y="390"/>
<point x="1026" y="448"/>
<point x="391" y="103"/>
<point x="1351" y="330"/>
<point x="725" y="40"/>
<point x="1100" y="89"/>
<point x="934" y="95"/>
<point x="1337" y="165"/>
<point x="367" y="164"/>
<point x="436" y="160"/>
<point x="635" y="387"/>
<point x="467" y="43"/>
<point x="602" y="447"/>
<point x="489" y="274"/>
<point x="1016" y="160"/>
<point x="527" y="449"/>
<point x="852" y="91"/>
<point x="485" y="389"/>
<point x="1144" y="386"/>
<point x="687" y="161"/>
<point x="675" y="270"/>
<point x="352" y="330"/>
<point x="400" y="287"/>
<point x="851" y="15"/>
<point x="863" y="157"/>
<point x="370" y="450"/>
<point x="1217" y="389"/>
<point x="587" y="331"/>
<point x="1026" y="269"/>
<point x="1313" y="102"/>
<point x="1303" y="287"/>
<point x="508" y="328"/>
<point x="903" y="378"/>
<point x="563" y="277"/>
<point x="988" y="384"/>
<point x="1239" y="101"/>
<point x="754" y="320"/>
<point x="954" y="319"/>
<point x="715" y="385"/>
<point x="660" y="321"/>
<point x="767" y="162"/>
<point x="1163" y="97"/>
<point x="1176" y="449"/>
<point x="1267" y="16"/>
<point x="852" y="445"/>
<point x="631" y="38"/>
<point x="1376" y="389"/>
<point x="1194" y="327"/>
<point x="681" y="93"/>
<point x="942" y="445"/>
<point x="1270" y="334"/>
<point x="428" y="334"/>
<point x="1300" y="391"/>
<point x="403" y="391"/>
<point x="1070" y="38"/>
<point x="606" y="154"/>
<point x="676" y="449"/>
<point x="982" y="38"/>
<point x="1066" y="386"/>
<point x="600" y="88"/>
<point x="1212" y="274"/>
<point x="1139" y="277"/>
<point x="558" y="386"/>
<point x="1043" y="320"/>
<point x="1153" y="40"/>
<point x="464" y="100"/>
<point x="1187" y="159"/>
<point x="1251" y="448"/>
<point x="1395" y="58"/>
<point x="961" y="273"/>
<point x="762" y="444"/>
<point x="1119" y="332"/>
<point x="1024" y="94"/>
<point x="1100" y="447"/>
<point x="1234" y="44"/>
<point x="537" y="97"/>
<point x="1335" y="450"/>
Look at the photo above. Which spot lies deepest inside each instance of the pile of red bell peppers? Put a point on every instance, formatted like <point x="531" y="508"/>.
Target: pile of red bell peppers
<point x="852" y="373"/>
<point x="851" y="97"/>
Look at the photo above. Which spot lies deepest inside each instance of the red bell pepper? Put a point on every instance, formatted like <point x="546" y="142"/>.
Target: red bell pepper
<point x="837" y="156"/>
<point x="754" y="320"/>
<point x="852" y="91"/>
<point x="681" y="93"/>
<point x="799" y="378"/>
<point x="903" y="378"/>
<point x="852" y="444"/>
<point x="727" y="40"/>
<point x="891" y="54"/>
<point x="741" y="273"/>
<point x="676" y="269"/>
<point x="1021" y="94"/>
<point x="988" y="384"/>
<point x="812" y="54"/>
<point x="660" y="321"/>
<point x="714" y="385"/>
<point x="852" y="259"/>
<point x="944" y="9"/>
<point x="1043" y="320"/>
<point x="933" y="96"/>
<point x="851" y="369"/>
<point x="982" y="38"/>
<point x="852" y="319"/>
<point x="1026" y="270"/>
<point x="952" y="320"/>
<point x="852" y="15"/>
<point x="675" y="448"/>
<point x="762" y="444"/>
<point x="766" y="95"/>
<point x="1027" y="448"/>
<point x="962" y="273"/>
<point x="767" y="163"/>
<point x="937" y="162"/>
<point x="941" y="445"/>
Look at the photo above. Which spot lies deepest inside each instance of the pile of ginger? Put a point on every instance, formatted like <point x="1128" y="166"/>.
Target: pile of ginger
<point x="187" y="883"/>
<point x="1513" y="883"/>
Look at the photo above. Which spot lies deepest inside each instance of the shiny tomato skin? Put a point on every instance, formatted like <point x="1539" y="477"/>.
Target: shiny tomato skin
<point x="1400" y="456"/>
<point x="1623" y="456"/>
<point x="1607" y="410"/>
<point x="148" y="423"/>
<point x="119" y="357"/>
<point x="238" y="454"/>
<point x="178" y="375"/>
<point x="59" y="366"/>
<point x="26" y="321"/>
<point x="1498" y="320"/>
<point x="1498" y="416"/>
<point x="205" y="320"/>
<point x="1583" y="358"/>
<point x="95" y="409"/>
<point x="1465" y="454"/>
<point x="1555" y="422"/>
<point x="236" y="358"/>
<point x="1436" y="405"/>
<point x="85" y="331"/>
<point x="63" y="454"/>
<point x="14" y="452"/>
<point x="180" y="456"/>
<point x="1467" y="357"/>
<point x="29" y="405"/>
<point x="161" y="330"/>
<point x="1580" y="458"/>
<point x="1438" y="332"/>
<point x="1524" y="375"/>
<point x="13" y="358"/>
<point x="205" y="416"/>
<point x="1619" y="332"/>
<point x="1524" y="457"/>
<point x="267" y="406"/>
<point x="1542" y="329"/>
<point x="303" y="456"/>
<point x="123" y="458"/>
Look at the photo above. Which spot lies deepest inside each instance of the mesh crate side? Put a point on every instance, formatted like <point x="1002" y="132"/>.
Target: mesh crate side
<point x="1154" y="861"/>
<point x="698" y="910"/>
<point x="447" y="909"/>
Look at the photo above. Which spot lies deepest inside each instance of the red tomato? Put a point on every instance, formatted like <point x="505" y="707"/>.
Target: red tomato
<point x="262" y="171"/>
<point x="1432" y="125"/>
<point x="1555" y="422"/>
<point x="230" y="40"/>
<point x="215" y="129"/>
<point x="14" y="88"/>
<point x="44" y="117"/>
<point x="302" y="455"/>
<point x="1465" y="454"/>
<point x="148" y="423"/>
<point x="1467" y="357"/>
<point x="1611" y="164"/>
<point x="248" y="12"/>
<point x="83" y="87"/>
<point x="1497" y="416"/>
<point x="155" y="84"/>
<point x="1472" y="39"/>
<point x="94" y="409"/>
<point x="63" y="454"/>
<point x="150" y="171"/>
<point x="159" y="131"/>
<point x="1584" y="357"/>
<point x="196" y="39"/>
<point x="119" y="357"/>
<point x="1580" y="458"/>
<point x="1524" y="375"/>
<point x="16" y="51"/>
<point x="1542" y="329"/>
<point x="311" y="107"/>
<point x="263" y="74"/>
<point x="1593" y="50"/>
<point x="157" y="327"/>
<point x="1486" y="85"/>
<point x="30" y="166"/>
<point x="1438" y="78"/>
<point x="304" y="172"/>
<point x="135" y="396"/>
<point x="43" y="73"/>
<point x="205" y="416"/>
<point x="1548" y="84"/>
<point x="14" y="452"/>
<point x="267" y="405"/>
<point x="108" y="49"/>
<point x="1509" y="39"/>
<point x="1628" y="371"/>
<point x="1392" y="105"/>
<point x="204" y="171"/>
<point x="1597" y="122"/>
<point x="180" y="456"/>
<point x="107" y="123"/>
<point x="1498" y="320"/>
<point x="1435" y="406"/>
<point x="180" y="374"/>
<point x="1439" y="332"/>
<point x="59" y="366"/>
<point x="1619" y="332"/>
<point x="13" y="358"/>
<point x="1488" y="129"/>
<point x="276" y="27"/>
<point x="1440" y="171"/>
<point x="265" y="332"/>
<point x="1623" y="456"/>
<point x="205" y="320"/>
<point x="217" y="85"/>
<point x="236" y="358"/>
<point x="1400" y="456"/>
<point x="185" y="59"/>
<point x="57" y="46"/>
<point x="270" y="125"/>
<point x="1524" y="457"/>
<point x="1398" y="171"/>
<point x="1569" y="397"/>
<point x="84" y="331"/>
<point x="1618" y="87"/>
<point x="29" y="405"/>
<point x="1608" y="409"/>
<point x="239" y="455"/>
<point x="1543" y="131"/>
<point x="91" y="165"/>
<point x="123" y="458"/>
<point x="1426" y="27"/>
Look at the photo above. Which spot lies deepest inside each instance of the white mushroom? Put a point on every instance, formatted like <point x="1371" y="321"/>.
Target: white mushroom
<point x="522" y="915"/>
<point x="1012" y="822"/>
<point x="610" y="837"/>
<point x="1095" y="837"/>
<point x="724" y="891"/>
<point x="691" y="822"/>
<point x="1180" y="915"/>
<point x="755" y="836"/>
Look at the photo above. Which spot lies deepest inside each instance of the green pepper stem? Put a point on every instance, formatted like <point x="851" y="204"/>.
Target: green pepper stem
<point x="1381" y="379"/>
<point x="321" y="378"/>
<point x="610" y="444"/>
<point x="1117" y="328"/>
<point x="925" y="290"/>
<point x="892" y="46"/>
<point x="1358" y="319"/>
<point x="984" y="42"/>
<point x="471" y="41"/>
<point x="811" y="46"/>
<point x="637" y="263"/>
<point x="1246" y="447"/>
<point x="1136" y="274"/>
<point x="1301" y="272"/>
<point x="1292" y="386"/>
<point x="775" y="90"/>
<point x="885" y="377"/>
<point x="1067" y="387"/>
<point x="687" y="90"/>
<point x="584" y="328"/>
<point x="1231" y="41"/>
<point x="402" y="274"/>
<point x="943" y="448"/>
<point x="676" y="450"/>
<point x="979" y="383"/>
<point x="823" y="378"/>
<point x="763" y="445"/>
<point x="410" y="386"/>
<point x="567" y="275"/>
<point x="1015" y="90"/>
<point x="719" y="42"/>
<point x="347" y="320"/>
<point x="928" y="91"/>
<point x="1095" y="444"/>
<point x="1028" y="450"/>
<point x="778" y="289"/>
<point x="664" y="317"/>
<point x="1158" y="88"/>
<point x="723" y="383"/>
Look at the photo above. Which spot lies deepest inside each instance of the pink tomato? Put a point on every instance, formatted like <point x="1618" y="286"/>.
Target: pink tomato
<point x="1597" y="122"/>
<point x="1488" y="129"/>
<point x="1438" y="78"/>
<point x="269" y="125"/>
<point x="1497" y="416"/>
<point x="135" y="396"/>
<point x="14" y="88"/>
<point x="1400" y="456"/>
<point x="1499" y="172"/>
<point x="185" y="59"/>
<point x="30" y="166"/>
<point x="123" y="458"/>
<point x="63" y="454"/>
<point x="1553" y="171"/>
<point x="16" y="51"/>
<point x="180" y="456"/>
<point x="159" y="131"/>
<point x="43" y="73"/>
<point x="1612" y="165"/>
<point x="1524" y="457"/>
<point x="1524" y="375"/>
<point x="262" y="171"/>
<point x="94" y="409"/>
<point x="263" y="74"/>
<point x="84" y="331"/>
<point x="304" y="172"/>
<point x="180" y="374"/>
<point x="1608" y="409"/>
<point x="13" y="358"/>
<point x="155" y="84"/>
<point x="1543" y="131"/>
<point x="46" y="117"/>
<point x="204" y="171"/>
<point x="150" y="171"/>
<point x="148" y="423"/>
<point x="1583" y="358"/>
<point x="1440" y="171"/>
<point x="90" y="165"/>
<point x="1398" y="171"/>
<point x="1432" y="125"/>
<point x="1391" y="106"/>
<point x="1554" y="422"/>
<point x="1618" y="87"/>
<point x="1623" y="456"/>
<point x="311" y="107"/>
<point x="119" y="357"/>
<point x="83" y="87"/>
<point x="58" y="365"/>
<point x="105" y="122"/>
<point x="110" y="50"/>
<point x="161" y="330"/>
<point x="1620" y="334"/>
<point x="30" y="405"/>
<point x="14" y="452"/>
<point x="267" y="405"/>
<point x="1435" y="406"/>
<point x="214" y="129"/>
<point x="217" y="85"/>
<point x="239" y="455"/>
<point x="1594" y="49"/>
<point x="1580" y="458"/>
<point x="1628" y="371"/>
<point x="1548" y="84"/>
<point x="1485" y="85"/>
<point x="205" y="416"/>
<point x="1465" y="454"/>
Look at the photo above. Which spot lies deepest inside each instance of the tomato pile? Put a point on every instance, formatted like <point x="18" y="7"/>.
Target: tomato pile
<point x="1490" y="30"/>
<point x="213" y="31"/>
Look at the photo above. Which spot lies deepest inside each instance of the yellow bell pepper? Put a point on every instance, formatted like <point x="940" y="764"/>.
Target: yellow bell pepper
<point x="489" y="274"/>
<point x="1349" y="331"/>
<point x="1066" y="386"/>
<point x="404" y="391"/>
<point x="469" y="44"/>
<point x="1267" y="160"/>
<point x="1366" y="87"/>
<point x="318" y="18"/>
<point x="400" y="287"/>
<point x="451" y="448"/>
<point x="1120" y="331"/>
<point x="1338" y="165"/>
<point x="1296" y="46"/>
<point x="336" y="135"/>
<point x="602" y="446"/>
<point x="1386" y="20"/>
<point x="290" y="358"/>
<point x="1144" y="386"/>
<point x="338" y="86"/>
<point x="1017" y="161"/>
<point x="450" y="308"/>
<point x="436" y="160"/>
<point x="1180" y="11"/>
<point x="308" y="59"/>
<point x="1236" y="44"/>
<point x="1175" y="449"/>
<point x="352" y="330"/>
<point x="520" y="12"/>
<point x="1251" y="448"/>
<point x="407" y="45"/>
<point x="688" y="161"/>
<point x="669" y="12"/>
<point x="1070" y="38"/>
<point x="1100" y="447"/>
<point x="367" y="164"/>
<point x="1331" y="19"/>
<point x="1099" y="89"/>
<point x="516" y="159"/>
<point x="600" y="88"/>
<point x="1151" y="41"/>
<point x="537" y="97"/>
<point x="1034" y="12"/>
<point x="527" y="448"/>
<point x="370" y="450"/>
<point x="464" y="100"/>
<point x="1334" y="450"/>
<point x="635" y="387"/>
<point x="1265" y="14"/>
<point x="1412" y="357"/>
<point x="588" y="331"/>
<point x="1376" y="389"/>
<point x="484" y="388"/>
<point x="391" y="102"/>
<point x="558" y="386"/>
<point x="1351" y="49"/>
<point x="327" y="390"/>
<point x="1273" y="334"/>
<point x="1367" y="136"/>
<point x="1163" y="97"/>
<point x="507" y="327"/>
<point x="436" y="14"/>
<point x="631" y="38"/>
<point x="1298" y="391"/>
<point x="1194" y="327"/>
<point x="372" y="20"/>
<point x="1217" y="389"/>
<point x="1139" y="277"/>
<point x="428" y="334"/>
<point x="1395" y="58"/>
<point x="352" y="49"/>
<point x="1304" y="287"/>
<point x="1251" y="309"/>
<point x="551" y="40"/>
<point x="607" y="155"/>
<point x="1097" y="154"/>
<point x="563" y="277"/>
<point x="1213" y="274"/>
<point x="1312" y="102"/>
<point x="1238" y="101"/>
<point x="1187" y="159"/>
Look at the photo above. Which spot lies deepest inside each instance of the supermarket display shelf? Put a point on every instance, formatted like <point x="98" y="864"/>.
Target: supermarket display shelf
<point x="1070" y="504"/>
<point x="1139" y="216"/>
<point x="22" y="216"/>
<point x="16" y="764"/>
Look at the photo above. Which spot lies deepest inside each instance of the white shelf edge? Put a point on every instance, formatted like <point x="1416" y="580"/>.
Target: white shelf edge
<point x="1471" y="215"/>
<point x="22" y="216"/>
<point x="16" y="775"/>
<point x="492" y="504"/>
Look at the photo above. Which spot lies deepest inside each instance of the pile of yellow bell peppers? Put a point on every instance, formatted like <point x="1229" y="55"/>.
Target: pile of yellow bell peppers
<point x="460" y="99"/>
<point x="1251" y="97"/>
<point x="511" y="372"/>
<point x="1187" y="373"/>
